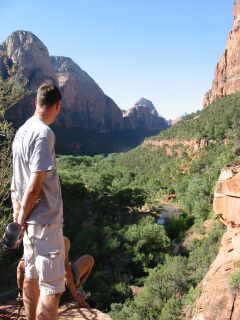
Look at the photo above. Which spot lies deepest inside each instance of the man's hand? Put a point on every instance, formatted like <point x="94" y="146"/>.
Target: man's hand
<point x="19" y="241"/>
<point x="81" y="300"/>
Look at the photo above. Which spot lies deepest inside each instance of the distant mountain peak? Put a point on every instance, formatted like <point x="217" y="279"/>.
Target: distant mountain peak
<point x="144" y="116"/>
<point x="143" y="102"/>
<point x="19" y="40"/>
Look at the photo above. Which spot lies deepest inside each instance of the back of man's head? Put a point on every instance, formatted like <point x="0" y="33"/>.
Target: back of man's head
<point x="48" y="95"/>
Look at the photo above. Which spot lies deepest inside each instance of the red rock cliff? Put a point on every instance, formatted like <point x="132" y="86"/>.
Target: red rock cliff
<point x="227" y="72"/>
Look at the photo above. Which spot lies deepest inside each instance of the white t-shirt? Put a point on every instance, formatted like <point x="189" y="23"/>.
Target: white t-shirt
<point x="33" y="151"/>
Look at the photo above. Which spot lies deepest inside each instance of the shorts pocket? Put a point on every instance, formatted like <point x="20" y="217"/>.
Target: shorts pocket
<point x="28" y="253"/>
<point x="50" y="265"/>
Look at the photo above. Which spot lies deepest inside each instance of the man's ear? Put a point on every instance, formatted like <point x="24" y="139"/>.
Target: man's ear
<point x="58" y="104"/>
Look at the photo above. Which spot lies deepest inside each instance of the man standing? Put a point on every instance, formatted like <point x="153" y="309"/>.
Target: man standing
<point x="38" y="207"/>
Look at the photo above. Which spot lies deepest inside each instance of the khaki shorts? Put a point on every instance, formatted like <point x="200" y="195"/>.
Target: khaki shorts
<point x="44" y="257"/>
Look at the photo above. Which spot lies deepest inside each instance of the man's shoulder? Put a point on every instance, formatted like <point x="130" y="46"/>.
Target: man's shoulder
<point x="37" y="129"/>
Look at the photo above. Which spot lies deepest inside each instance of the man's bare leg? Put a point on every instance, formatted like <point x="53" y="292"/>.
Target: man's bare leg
<point x="30" y="297"/>
<point x="47" y="308"/>
<point x="20" y="274"/>
<point x="84" y="265"/>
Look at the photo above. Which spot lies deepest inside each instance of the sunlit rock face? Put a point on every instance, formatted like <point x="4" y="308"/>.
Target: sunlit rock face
<point x="85" y="103"/>
<point x="236" y="11"/>
<point x="26" y="49"/>
<point x="11" y="311"/>
<point x="227" y="72"/>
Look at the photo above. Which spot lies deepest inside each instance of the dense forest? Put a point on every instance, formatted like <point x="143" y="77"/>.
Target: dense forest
<point x="104" y="217"/>
<point x="112" y="205"/>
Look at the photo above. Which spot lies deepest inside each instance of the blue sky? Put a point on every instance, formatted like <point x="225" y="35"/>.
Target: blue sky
<point x="165" y="51"/>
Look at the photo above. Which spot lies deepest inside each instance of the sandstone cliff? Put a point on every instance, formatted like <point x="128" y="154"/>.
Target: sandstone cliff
<point x="85" y="107"/>
<point x="227" y="72"/>
<point x="218" y="301"/>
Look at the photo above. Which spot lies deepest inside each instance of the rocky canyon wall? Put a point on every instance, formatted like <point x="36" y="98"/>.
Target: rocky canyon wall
<point x="227" y="72"/>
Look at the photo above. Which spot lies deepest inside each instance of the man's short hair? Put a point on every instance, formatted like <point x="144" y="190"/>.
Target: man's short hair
<point x="48" y="95"/>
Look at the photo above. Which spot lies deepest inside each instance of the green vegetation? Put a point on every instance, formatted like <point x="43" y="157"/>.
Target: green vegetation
<point x="101" y="201"/>
<point x="235" y="279"/>
<point x="172" y="285"/>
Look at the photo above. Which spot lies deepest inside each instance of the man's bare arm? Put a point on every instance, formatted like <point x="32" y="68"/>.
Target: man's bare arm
<point x="15" y="203"/>
<point x="31" y="195"/>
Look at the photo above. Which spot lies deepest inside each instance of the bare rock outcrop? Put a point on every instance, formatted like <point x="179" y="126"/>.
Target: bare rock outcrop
<point x="194" y="144"/>
<point x="70" y="311"/>
<point x="218" y="300"/>
<point x="227" y="72"/>
<point x="226" y="202"/>
<point x="174" y="147"/>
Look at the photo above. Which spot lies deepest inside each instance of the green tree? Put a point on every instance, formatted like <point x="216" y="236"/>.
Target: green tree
<point x="160" y="296"/>
<point x="147" y="242"/>
<point x="172" y="310"/>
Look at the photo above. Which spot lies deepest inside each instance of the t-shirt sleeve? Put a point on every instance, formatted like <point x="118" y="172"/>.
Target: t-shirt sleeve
<point x="41" y="158"/>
